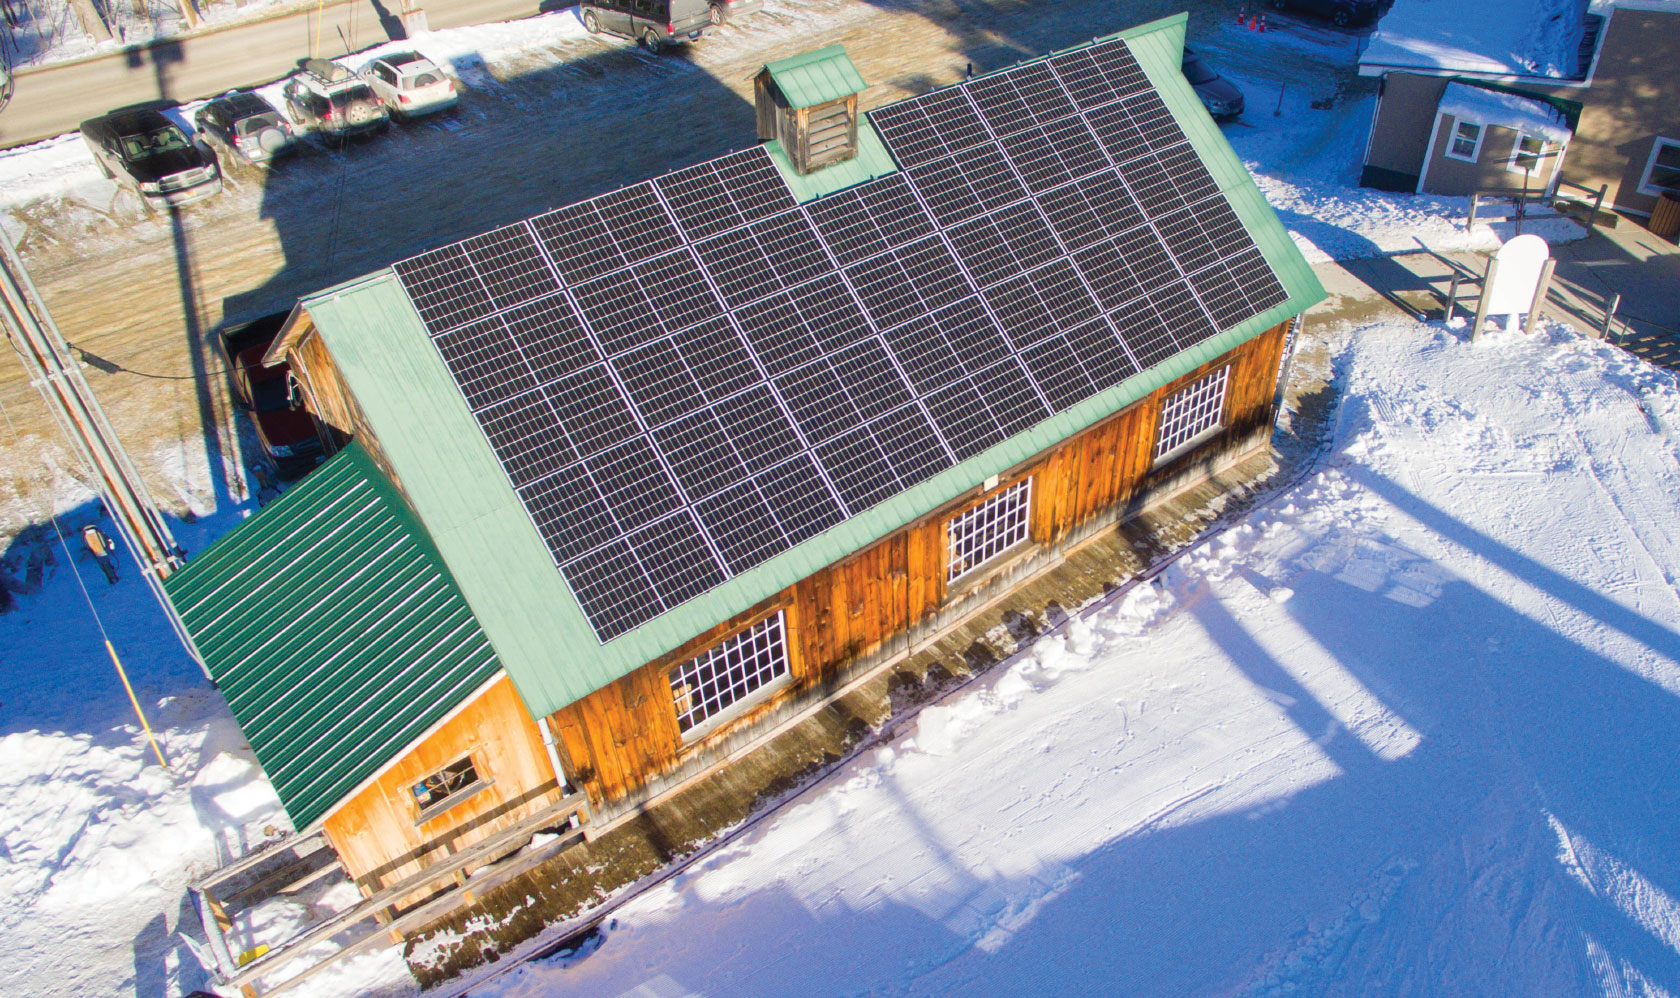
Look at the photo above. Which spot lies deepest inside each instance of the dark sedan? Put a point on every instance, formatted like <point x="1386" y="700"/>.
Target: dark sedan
<point x="152" y="154"/>
<point x="1219" y="95"/>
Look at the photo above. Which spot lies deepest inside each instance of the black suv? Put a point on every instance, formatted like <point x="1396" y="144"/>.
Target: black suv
<point x="153" y="155"/>
<point x="654" y="24"/>
<point x="1341" y="13"/>
<point x="244" y="127"/>
<point x="332" y="100"/>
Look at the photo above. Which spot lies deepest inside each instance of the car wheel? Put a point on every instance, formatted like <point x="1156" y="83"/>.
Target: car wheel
<point x="719" y="14"/>
<point x="1341" y="17"/>
<point x="652" y="42"/>
<point x="591" y="23"/>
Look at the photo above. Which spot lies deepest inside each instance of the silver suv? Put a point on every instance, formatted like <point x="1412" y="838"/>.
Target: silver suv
<point x="328" y="98"/>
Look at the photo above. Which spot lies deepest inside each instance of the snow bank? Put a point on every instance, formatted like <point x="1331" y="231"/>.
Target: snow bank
<point x="1490" y="107"/>
<point x="1506" y="37"/>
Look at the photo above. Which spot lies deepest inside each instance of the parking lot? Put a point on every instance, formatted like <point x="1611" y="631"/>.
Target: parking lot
<point x="142" y="295"/>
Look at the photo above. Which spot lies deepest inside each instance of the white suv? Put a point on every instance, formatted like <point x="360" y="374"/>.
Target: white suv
<point x="410" y="84"/>
<point x="328" y="98"/>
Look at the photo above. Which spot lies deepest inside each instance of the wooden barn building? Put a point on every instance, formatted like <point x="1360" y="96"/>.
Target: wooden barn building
<point x="630" y="483"/>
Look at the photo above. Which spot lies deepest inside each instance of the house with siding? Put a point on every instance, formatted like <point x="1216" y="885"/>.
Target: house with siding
<point x="633" y="482"/>
<point x="1528" y="93"/>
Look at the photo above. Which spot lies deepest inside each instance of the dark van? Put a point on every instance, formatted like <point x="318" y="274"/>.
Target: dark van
<point x="654" y="24"/>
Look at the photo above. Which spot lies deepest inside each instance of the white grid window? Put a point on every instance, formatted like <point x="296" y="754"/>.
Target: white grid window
<point x="989" y="529"/>
<point x="1190" y="413"/>
<point x="1662" y="170"/>
<point x="709" y="684"/>
<point x="1527" y="155"/>
<point x="1466" y="141"/>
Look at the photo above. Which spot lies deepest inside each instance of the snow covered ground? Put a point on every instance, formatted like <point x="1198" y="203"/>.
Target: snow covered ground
<point x="1413" y="722"/>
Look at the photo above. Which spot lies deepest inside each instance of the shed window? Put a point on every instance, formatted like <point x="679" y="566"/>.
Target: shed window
<point x="1525" y="155"/>
<point x="446" y="788"/>
<point x="1662" y="170"/>
<point x="1191" y="415"/>
<point x="704" y="688"/>
<point x="989" y="529"/>
<point x="1466" y="142"/>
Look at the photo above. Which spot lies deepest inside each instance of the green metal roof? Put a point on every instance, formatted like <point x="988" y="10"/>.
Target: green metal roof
<point x="334" y="631"/>
<point x="460" y="492"/>
<point x="872" y="161"/>
<point x="813" y="78"/>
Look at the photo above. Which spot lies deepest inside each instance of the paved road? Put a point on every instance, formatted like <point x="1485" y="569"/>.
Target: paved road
<point x="55" y="99"/>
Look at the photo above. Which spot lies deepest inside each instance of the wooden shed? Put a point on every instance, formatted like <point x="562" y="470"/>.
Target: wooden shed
<point x="809" y="104"/>
<point x="694" y="452"/>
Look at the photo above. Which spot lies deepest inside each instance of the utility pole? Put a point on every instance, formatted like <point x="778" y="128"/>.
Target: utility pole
<point x="58" y="376"/>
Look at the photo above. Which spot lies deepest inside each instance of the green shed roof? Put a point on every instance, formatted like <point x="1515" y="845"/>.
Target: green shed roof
<point x="334" y="630"/>
<point x="813" y="78"/>
<point x="872" y="161"/>
<point x="463" y="496"/>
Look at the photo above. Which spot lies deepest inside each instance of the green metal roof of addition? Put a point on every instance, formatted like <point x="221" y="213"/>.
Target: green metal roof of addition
<point x="334" y="631"/>
<point x="818" y="77"/>
<point x="478" y="522"/>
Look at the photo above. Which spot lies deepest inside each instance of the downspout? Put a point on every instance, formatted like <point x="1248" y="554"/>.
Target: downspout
<point x="1429" y="153"/>
<point x="554" y="760"/>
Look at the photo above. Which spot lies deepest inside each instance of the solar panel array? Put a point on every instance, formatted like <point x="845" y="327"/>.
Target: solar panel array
<point x="688" y="376"/>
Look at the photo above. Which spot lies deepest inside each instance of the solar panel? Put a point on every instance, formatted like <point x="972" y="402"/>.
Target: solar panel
<point x="686" y="377"/>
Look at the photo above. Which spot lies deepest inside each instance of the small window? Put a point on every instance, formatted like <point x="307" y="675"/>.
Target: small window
<point x="446" y="788"/>
<point x="1526" y="154"/>
<point x="1466" y="141"/>
<point x="1662" y="170"/>
<point x="705" y="688"/>
<point x="988" y="530"/>
<point x="1191" y="415"/>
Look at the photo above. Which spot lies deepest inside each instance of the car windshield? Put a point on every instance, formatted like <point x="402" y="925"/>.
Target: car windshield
<point x="1197" y="71"/>
<point x="270" y="395"/>
<point x="154" y="143"/>
<point x="350" y="95"/>
<point x="257" y="122"/>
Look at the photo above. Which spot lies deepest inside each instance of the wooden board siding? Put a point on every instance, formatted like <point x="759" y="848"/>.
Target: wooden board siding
<point x="625" y="734"/>
<point x="375" y="832"/>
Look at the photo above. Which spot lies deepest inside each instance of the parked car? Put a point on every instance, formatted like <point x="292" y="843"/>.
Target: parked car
<point x="1341" y="13"/>
<point x="1219" y="95"/>
<point x="727" y="10"/>
<point x="328" y="98"/>
<point x="286" y="430"/>
<point x="654" y="24"/>
<point x="153" y="155"/>
<point x="410" y="84"/>
<point x="244" y="128"/>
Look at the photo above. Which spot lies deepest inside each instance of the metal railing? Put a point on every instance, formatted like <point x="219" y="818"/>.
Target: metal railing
<point x="1559" y="197"/>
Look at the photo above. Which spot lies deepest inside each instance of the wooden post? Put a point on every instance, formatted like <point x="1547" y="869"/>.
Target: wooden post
<point x="1482" y="301"/>
<point x="1609" y="314"/>
<point x="1452" y="296"/>
<point x="1475" y="202"/>
<point x="1540" y="289"/>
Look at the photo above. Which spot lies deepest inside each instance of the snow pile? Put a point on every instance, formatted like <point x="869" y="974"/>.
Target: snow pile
<point x="1406" y="723"/>
<point x="1506" y="37"/>
<point x="1532" y="117"/>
